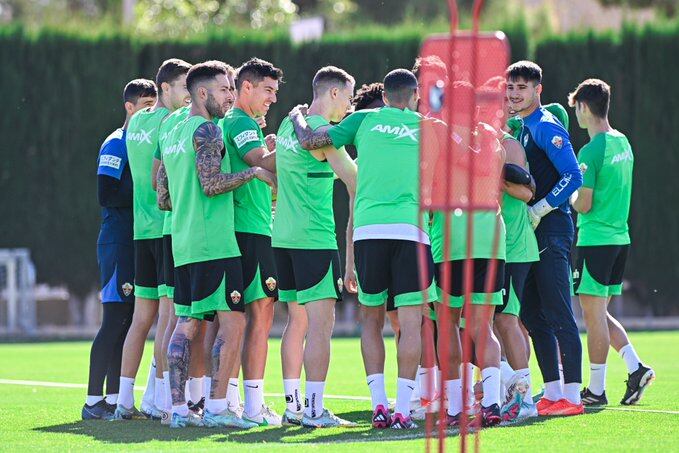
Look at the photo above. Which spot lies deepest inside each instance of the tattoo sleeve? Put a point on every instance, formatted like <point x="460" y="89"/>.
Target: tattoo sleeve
<point x="162" y="189"/>
<point x="208" y="143"/>
<point x="216" y="353"/>
<point x="308" y="138"/>
<point x="178" y="358"/>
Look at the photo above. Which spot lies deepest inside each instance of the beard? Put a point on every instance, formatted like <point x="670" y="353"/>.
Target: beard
<point x="213" y="108"/>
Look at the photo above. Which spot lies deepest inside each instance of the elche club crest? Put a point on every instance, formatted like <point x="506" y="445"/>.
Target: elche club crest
<point x="557" y="141"/>
<point x="235" y="297"/>
<point x="270" y="283"/>
<point x="340" y="284"/>
<point x="127" y="288"/>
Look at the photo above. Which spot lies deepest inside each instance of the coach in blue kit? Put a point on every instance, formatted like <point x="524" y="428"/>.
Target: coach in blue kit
<point x="546" y="307"/>
<point x="115" y="254"/>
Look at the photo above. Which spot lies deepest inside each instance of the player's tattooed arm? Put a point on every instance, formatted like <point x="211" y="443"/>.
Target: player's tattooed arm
<point x="307" y="137"/>
<point x="162" y="189"/>
<point x="178" y="358"/>
<point x="209" y="144"/>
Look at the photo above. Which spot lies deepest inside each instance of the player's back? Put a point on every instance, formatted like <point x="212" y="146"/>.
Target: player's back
<point x="388" y="167"/>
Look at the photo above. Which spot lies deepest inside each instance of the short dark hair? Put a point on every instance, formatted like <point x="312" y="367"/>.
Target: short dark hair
<point x="170" y="71"/>
<point x="399" y="85"/>
<point x="526" y="70"/>
<point x="202" y="72"/>
<point x="330" y="77"/>
<point x="139" y="88"/>
<point x="367" y="95"/>
<point x="255" y="70"/>
<point x="430" y="62"/>
<point x="594" y="93"/>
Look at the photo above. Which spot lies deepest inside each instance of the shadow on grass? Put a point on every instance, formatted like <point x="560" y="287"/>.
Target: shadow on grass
<point x="133" y="432"/>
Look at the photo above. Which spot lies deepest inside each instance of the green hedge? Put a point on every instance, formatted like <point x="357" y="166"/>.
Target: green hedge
<point x="64" y="93"/>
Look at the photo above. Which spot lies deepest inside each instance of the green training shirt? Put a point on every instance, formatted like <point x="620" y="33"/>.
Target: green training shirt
<point x="142" y="142"/>
<point x="304" y="212"/>
<point x="610" y="163"/>
<point x="202" y="226"/>
<point x="387" y="142"/>
<point x="252" y="201"/>
<point x="166" y="126"/>
<point x="522" y="246"/>
<point x="487" y="224"/>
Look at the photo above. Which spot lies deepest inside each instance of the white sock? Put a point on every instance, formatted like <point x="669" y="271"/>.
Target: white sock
<point x="167" y="403"/>
<point x="126" y="392"/>
<point x="597" y="378"/>
<point x="314" y="397"/>
<point x="454" y="395"/>
<point x="404" y="388"/>
<point x="207" y="384"/>
<point x="427" y="383"/>
<point x="254" y="395"/>
<point x="182" y="409"/>
<point x="471" y="399"/>
<point x="416" y="395"/>
<point x="149" y="393"/>
<point x="233" y="393"/>
<point x="553" y="390"/>
<point x="524" y="373"/>
<point x="506" y="373"/>
<point x="217" y="406"/>
<point x="187" y="392"/>
<point x="571" y="392"/>
<point x="629" y="355"/>
<point x="293" y="401"/>
<point x="378" y="393"/>
<point x="93" y="399"/>
<point x="491" y="386"/>
<point x="196" y="388"/>
<point x="159" y="393"/>
<point x="112" y="398"/>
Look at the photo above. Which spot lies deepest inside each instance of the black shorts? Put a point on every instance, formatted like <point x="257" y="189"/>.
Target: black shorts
<point x="168" y="262"/>
<point x="479" y="292"/>
<point x="259" y="270"/>
<point x="308" y="275"/>
<point x="116" y="271"/>
<point x="148" y="267"/>
<point x="390" y="267"/>
<point x="207" y="287"/>
<point x="512" y="291"/>
<point x="599" y="270"/>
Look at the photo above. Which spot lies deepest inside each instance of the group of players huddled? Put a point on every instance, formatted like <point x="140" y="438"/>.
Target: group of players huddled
<point x="189" y="237"/>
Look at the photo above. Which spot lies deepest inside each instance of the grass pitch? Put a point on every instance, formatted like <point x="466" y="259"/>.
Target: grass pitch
<point x="38" y="417"/>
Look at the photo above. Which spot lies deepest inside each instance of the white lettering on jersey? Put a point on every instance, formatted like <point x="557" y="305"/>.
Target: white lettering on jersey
<point x="174" y="149"/>
<point x="401" y="131"/>
<point x="142" y="136"/>
<point x="246" y="137"/>
<point x="621" y="157"/>
<point x="108" y="160"/>
<point x="287" y="143"/>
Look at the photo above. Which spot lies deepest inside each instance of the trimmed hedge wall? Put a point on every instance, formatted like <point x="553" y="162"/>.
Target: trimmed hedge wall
<point x="64" y="97"/>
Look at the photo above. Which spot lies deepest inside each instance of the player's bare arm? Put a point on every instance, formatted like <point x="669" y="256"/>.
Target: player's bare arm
<point x="260" y="157"/>
<point x="162" y="189"/>
<point x="350" y="281"/>
<point x="514" y="154"/>
<point x="343" y="166"/>
<point x="209" y="144"/>
<point x="307" y="137"/>
<point x="583" y="202"/>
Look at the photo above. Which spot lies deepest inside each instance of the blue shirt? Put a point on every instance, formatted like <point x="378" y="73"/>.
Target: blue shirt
<point x="116" y="224"/>
<point x="551" y="160"/>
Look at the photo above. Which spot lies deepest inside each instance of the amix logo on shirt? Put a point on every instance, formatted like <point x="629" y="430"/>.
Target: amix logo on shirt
<point x="400" y="131"/>
<point x="142" y="136"/>
<point x="175" y="149"/>
<point x="621" y="157"/>
<point x="288" y="143"/>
